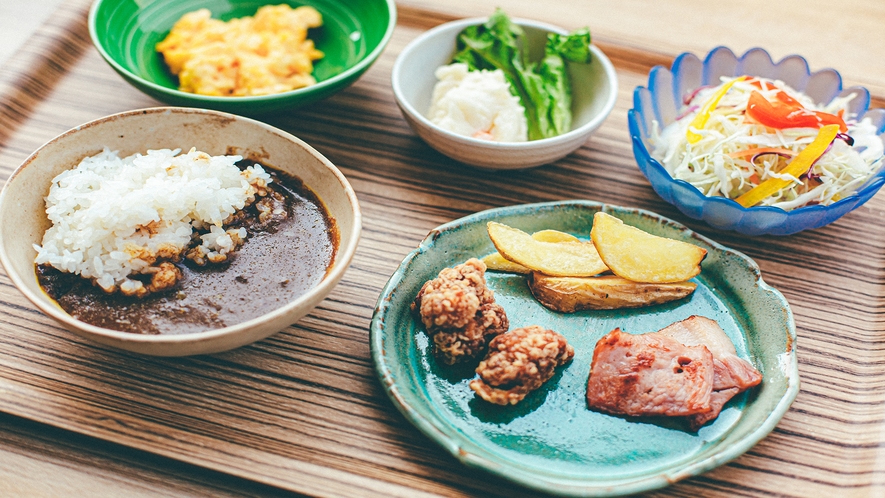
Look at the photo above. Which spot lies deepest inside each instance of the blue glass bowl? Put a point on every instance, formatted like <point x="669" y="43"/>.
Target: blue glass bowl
<point x="661" y="102"/>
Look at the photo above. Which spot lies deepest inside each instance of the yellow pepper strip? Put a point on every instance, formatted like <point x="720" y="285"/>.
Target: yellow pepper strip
<point x="797" y="166"/>
<point x="700" y="119"/>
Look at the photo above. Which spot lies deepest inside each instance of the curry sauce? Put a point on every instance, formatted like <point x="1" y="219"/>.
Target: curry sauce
<point x="284" y="256"/>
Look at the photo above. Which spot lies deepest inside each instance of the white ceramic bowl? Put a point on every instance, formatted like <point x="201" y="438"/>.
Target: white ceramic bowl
<point x="594" y="90"/>
<point x="23" y="213"/>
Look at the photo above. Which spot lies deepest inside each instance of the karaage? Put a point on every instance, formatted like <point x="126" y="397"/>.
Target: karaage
<point x="519" y="362"/>
<point x="459" y="312"/>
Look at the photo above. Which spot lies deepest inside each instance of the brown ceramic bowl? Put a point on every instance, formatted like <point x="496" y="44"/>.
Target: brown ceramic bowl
<point x="23" y="219"/>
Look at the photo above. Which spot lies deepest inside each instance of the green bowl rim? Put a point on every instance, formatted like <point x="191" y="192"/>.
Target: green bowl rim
<point x="646" y="483"/>
<point x="354" y="70"/>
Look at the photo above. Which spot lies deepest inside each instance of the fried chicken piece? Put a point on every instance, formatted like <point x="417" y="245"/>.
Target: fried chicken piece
<point x="463" y="344"/>
<point x="460" y="312"/>
<point x="519" y="362"/>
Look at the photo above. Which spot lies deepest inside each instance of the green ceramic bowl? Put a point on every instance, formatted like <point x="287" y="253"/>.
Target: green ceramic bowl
<point x="550" y="441"/>
<point x="353" y="35"/>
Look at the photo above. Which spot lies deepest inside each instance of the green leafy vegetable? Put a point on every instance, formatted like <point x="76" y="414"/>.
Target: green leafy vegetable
<point x="543" y="87"/>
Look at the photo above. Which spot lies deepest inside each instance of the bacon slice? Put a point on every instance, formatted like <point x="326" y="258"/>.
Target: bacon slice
<point x="689" y="368"/>
<point x="649" y="374"/>
<point x="732" y="375"/>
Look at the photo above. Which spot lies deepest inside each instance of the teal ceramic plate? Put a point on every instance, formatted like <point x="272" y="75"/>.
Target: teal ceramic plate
<point x="551" y="441"/>
<point x="352" y="37"/>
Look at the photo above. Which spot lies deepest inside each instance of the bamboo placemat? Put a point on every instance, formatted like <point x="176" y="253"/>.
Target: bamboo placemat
<point x="303" y="410"/>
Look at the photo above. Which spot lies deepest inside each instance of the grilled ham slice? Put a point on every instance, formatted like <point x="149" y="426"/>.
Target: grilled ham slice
<point x="731" y="375"/>
<point x="689" y="368"/>
<point x="649" y="374"/>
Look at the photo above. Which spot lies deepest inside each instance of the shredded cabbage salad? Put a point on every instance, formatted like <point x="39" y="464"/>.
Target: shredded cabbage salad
<point x="724" y="150"/>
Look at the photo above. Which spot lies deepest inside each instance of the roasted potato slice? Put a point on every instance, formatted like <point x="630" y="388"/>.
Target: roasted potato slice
<point x="642" y="257"/>
<point x="570" y="294"/>
<point x="497" y="262"/>
<point x="564" y="259"/>
<point x="554" y="236"/>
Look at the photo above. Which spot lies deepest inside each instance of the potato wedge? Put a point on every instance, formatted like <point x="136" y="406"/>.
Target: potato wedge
<point x="564" y="259"/>
<point x="554" y="236"/>
<point x="497" y="262"/>
<point x="609" y="292"/>
<point x="642" y="257"/>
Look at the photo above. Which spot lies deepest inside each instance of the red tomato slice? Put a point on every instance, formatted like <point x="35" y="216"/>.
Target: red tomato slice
<point x="788" y="113"/>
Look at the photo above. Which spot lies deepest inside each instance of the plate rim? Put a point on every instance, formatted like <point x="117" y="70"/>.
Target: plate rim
<point x="657" y="479"/>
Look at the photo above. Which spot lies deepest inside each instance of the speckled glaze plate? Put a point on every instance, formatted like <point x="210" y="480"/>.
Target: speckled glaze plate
<point x="551" y="441"/>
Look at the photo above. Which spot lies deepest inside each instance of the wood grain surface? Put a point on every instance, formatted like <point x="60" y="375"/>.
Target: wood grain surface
<point x="303" y="410"/>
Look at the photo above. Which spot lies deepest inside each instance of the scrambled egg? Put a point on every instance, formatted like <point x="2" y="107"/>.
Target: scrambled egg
<point x="260" y="55"/>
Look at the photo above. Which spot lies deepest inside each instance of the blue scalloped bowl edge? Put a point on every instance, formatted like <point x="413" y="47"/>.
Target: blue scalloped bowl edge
<point x="727" y="214"/>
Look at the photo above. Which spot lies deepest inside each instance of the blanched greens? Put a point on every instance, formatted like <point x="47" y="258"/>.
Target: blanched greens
<point x="543" y="87"/>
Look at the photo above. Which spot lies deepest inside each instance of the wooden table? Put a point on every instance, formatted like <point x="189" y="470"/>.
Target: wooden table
<point x="302" y="411"/>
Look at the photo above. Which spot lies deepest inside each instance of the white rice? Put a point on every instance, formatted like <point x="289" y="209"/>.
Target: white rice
<point x="477" y="104"/>
<point x="111" y="217"/>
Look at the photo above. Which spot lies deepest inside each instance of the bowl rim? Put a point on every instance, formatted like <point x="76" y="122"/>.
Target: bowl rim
<point x="873" y="183"/>
<point x="416" y="44"/>
<point x="341" y="262"/>
<point x="352" y="71"/>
